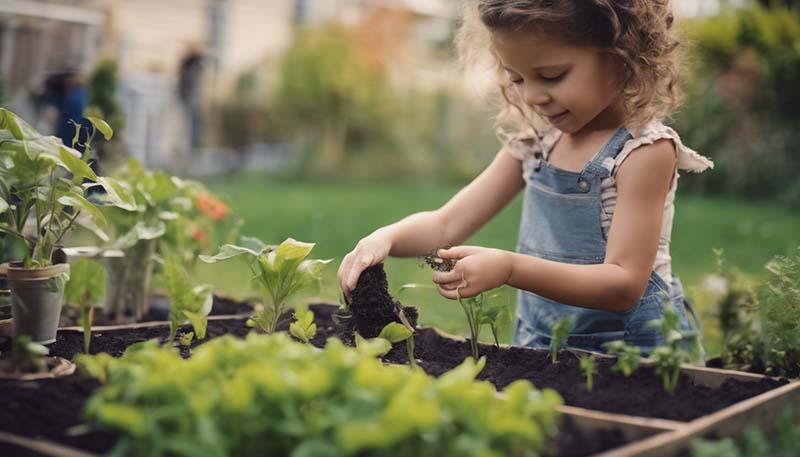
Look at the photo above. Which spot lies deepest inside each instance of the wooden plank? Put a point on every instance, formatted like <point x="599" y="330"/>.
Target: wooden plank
<point x="43" y="447"/>
<point x="759" y="411"/>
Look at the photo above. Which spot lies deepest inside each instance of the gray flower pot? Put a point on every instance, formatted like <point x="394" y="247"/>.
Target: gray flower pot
<point x="37" y="295"/>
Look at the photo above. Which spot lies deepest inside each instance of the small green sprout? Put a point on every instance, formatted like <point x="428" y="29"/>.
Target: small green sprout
<point x="395" y="333"/>
<point x="669" y="357"/>
<point x="628" y="357"/>
<point x="186" y="302"/>
<point x="589" y="368"/>
<point x="86" y="286"/>
<point x="303" y="328"/>
<point x="560" y="332"/>
<point x="186" y="339"/>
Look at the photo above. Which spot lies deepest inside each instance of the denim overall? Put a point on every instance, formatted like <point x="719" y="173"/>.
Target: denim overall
<point x="561" y="222"/>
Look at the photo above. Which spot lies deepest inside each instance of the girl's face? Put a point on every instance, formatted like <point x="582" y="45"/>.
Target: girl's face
<point x="574" y="87"/>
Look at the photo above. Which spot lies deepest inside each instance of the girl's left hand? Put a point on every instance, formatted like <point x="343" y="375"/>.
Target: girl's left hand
<point x="477" y="269"/>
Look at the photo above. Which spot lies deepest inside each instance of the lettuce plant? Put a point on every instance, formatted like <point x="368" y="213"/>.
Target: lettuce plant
<point x="779" y="314"/>
<point x="628" y="357"/>
<point x="280" y="272"/>
<point x="85" y="288"/>
<point x="303" y="328"/>
<point x="269" y="395"/>
<point x="187" y="302"/>
<point x="559" y="335"/>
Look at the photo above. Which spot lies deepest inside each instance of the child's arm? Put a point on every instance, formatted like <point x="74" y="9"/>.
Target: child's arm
<point x="454" y="222"/>
<point x="643" y="182"/>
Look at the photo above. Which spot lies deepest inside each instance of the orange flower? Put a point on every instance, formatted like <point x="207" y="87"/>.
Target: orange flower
<point x="211" y="206"/>
<point x="199" y="235"/>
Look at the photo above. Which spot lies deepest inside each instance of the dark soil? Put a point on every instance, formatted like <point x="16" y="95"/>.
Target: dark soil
<point x="159" y="311"/>
<point x="50" y="408"/>
<point x="437" y="263"/>
<point x="372" y="307"/>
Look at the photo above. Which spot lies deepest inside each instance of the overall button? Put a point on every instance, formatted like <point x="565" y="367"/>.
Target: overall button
<point x="584" y="185"/>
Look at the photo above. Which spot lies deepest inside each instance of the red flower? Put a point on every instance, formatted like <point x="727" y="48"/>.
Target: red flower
<point x="211" y="206"/>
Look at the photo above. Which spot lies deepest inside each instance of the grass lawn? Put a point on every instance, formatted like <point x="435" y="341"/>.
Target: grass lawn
<point x="336" y="216"/>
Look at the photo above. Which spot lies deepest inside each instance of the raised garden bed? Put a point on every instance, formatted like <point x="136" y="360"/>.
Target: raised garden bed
<point x="617" y="412"/>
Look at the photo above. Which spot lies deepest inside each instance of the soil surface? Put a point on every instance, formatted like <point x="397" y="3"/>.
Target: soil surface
<point x="52" y="408"/>
<point x="372" y="307"/>
<point x="159" y="311"/>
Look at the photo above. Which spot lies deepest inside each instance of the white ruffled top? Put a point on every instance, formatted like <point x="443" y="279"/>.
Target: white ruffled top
<point x="525" y="145"/>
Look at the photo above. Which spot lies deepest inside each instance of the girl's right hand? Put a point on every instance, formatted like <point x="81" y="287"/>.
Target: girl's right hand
<point x="370" y="251"/>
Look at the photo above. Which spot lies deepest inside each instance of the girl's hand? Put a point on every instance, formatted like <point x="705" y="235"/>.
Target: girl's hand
<point x="477" y="269"/>
<point x="370" y="251"/>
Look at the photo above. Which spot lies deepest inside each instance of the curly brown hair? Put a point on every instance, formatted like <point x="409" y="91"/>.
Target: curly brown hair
<point x="638" y="33"/>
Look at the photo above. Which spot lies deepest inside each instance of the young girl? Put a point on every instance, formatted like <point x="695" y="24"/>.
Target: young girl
<point x="599" y="177"/>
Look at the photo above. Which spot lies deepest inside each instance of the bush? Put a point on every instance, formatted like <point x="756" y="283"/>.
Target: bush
<point x="268" y="395"/>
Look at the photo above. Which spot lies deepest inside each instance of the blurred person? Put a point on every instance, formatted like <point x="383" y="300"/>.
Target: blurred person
<point x="190" y="74"/>
<point x="65" y="99"/>
<point x="586" y="85"/>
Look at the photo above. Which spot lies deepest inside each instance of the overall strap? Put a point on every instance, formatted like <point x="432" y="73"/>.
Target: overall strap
<point x="603" y="162"/>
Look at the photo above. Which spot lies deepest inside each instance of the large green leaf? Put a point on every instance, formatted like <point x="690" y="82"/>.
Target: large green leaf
<point x="9" y="121"/>
<point x="228" y="251"/>
<point x="395" y="333"/>
<point x="118" y="194"/>
<point x="141" y="231"/>
<point x="77" y="200"/>
<point x="290" y="253"/>
<point x="76" y="166"/>
<point x="102" y="126"/>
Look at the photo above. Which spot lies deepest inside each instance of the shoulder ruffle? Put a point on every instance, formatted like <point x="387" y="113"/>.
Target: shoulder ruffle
<point x="688" y="159"/>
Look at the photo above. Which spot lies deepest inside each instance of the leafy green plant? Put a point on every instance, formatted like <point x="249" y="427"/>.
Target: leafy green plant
<point x="303" y="328"/>
<point x="395" y="333"/>
<point x="559" y="335"/>
<point x="628" y="357"/>
<point x="779" y="314"/>
<point x="669" y="357"/>
<point x="333" y="401"/>
<point x="43" y="187"/>
<point x="280" y="272"/>
<point x="589" y="367"/>
<point x="187" y="302"/>
<point x="85" y="288"/>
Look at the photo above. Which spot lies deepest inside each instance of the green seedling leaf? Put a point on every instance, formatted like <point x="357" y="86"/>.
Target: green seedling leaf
<point x="141" y="231"/>
<point x="395" y="333"/>
<point x="228" y="251"/>
<point x="102" y="126"/>
<point x="80" y="170"/>
<point x="628" y="357"/>
<point x="186" y="339"/>
<point x="559" y="335"/>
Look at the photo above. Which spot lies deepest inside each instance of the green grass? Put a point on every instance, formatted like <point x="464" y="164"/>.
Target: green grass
<point x="336" y="216"/>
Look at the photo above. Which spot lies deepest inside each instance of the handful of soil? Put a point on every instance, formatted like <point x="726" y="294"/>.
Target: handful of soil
<point x="372" y="307"/>
<point x="437" y="263"/>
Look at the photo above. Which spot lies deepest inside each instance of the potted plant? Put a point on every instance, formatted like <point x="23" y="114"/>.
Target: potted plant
<point x="42" y="198"/>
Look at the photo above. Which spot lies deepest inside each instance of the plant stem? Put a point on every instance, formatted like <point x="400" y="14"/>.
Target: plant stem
<point x="86" y="318"/>
<point x="64" y="232"/>
<point x="410" y="348"/>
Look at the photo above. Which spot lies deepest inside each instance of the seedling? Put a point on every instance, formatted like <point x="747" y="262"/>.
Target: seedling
<point x="559" y="334"/>
<point x="303" y="328"/>
<point x="396" y="333"/>
<point x="86" y="286"/>
<point x="281" y="272"/>
<point x="186" y="339"/>
<point x="668" y="358"/>
<point x="186" y="301"/>
<point x="589" y="367"/>
<point x="628" y="357"/>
